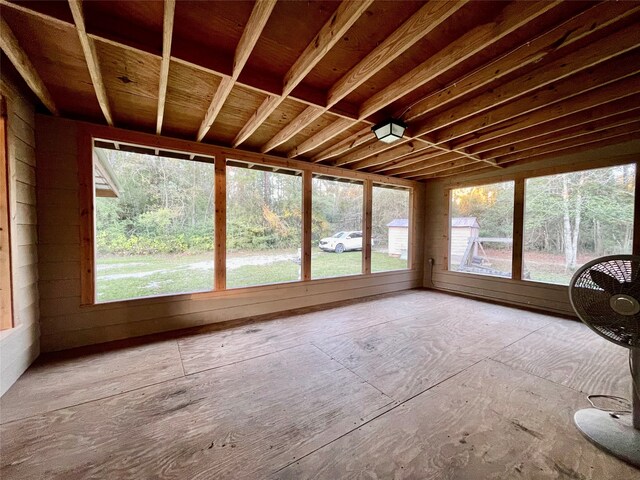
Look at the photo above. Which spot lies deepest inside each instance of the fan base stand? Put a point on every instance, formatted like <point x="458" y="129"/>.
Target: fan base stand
<point x="613" y="435"/>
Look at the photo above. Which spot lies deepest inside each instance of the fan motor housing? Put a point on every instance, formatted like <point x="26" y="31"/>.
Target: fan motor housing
<point x="624" y="304"/>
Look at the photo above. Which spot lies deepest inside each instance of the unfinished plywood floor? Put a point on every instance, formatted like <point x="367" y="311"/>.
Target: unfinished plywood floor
<point x="417" y="384"/>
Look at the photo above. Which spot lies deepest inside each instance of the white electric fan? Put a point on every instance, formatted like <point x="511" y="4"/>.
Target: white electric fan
<point x="605" y="293"/>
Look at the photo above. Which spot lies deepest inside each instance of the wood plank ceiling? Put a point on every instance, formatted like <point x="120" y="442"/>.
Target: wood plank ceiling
<point x="481" y="85"/>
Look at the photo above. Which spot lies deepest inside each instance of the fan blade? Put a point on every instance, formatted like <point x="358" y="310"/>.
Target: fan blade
<point x="633" y="289"/>
<point x="605" y="281"/>
<point x="591" y="301"/>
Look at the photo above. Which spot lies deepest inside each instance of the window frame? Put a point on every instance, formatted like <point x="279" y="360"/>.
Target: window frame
<point x="520" y="177"/>
<point x="233" y="163"/>
<point x="411" y="229"/>
<point x="88" y="133"/>
<point x="6" y="312"/>
<point x="365" y="268"/>
<point x="514" y="263"/>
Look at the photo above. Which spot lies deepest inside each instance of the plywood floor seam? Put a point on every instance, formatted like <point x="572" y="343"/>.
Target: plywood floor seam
<point x="333" y="359"/>
<point x="458" y="389"/>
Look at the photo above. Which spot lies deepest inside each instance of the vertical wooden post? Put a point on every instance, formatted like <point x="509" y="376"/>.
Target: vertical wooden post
<point x="636" y="213"/>
<point x="6" y="288"/>
<point x="447" y="230"/>
<point x="413" y="225"/>
<point x="220" y="193"/>
<point x="86" y="200"/>
<point x="518" y="230"/>
<point x="307" y="205"/>
<point x="367" y="200"/>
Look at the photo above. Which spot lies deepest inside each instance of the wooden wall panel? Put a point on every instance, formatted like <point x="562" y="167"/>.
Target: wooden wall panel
<point x="19" y="345"/>
<point x="65" y="323"/>
<point x="551" y="298"/>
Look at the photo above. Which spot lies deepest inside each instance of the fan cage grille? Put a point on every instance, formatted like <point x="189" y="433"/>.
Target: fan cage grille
<point x="592" y="288"/>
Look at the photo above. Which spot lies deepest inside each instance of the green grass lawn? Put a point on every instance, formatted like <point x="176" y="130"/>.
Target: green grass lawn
<point x="120" y="278"/>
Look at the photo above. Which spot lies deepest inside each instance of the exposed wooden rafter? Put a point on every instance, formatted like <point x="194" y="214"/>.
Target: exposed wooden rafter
<point x="591" y="55"/>
<point x="586" y="23"/>
<point x="415" y="28"/>
<point x="321" y="137"/>
<point x="167" y="35"/>
<point x="358" y="138"/>
<point x="497" y="84"/>
<point x="598" y="113"/>
<point x="344" y="17"/>
<point x="594" y="19"/>
<point x="594" y="97"/>
<point x="256" y="23"/>
<point x="513" y="17"/>
<point x="10" y="46"/>
<point x="91" y="57"/>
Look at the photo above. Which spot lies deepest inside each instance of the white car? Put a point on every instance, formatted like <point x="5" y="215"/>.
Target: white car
<point x="342" y="241"/>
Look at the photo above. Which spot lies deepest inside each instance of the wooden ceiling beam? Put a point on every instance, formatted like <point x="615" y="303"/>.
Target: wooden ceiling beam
<point x="514" y="16"/>
<point x="441" y="167"/>
<point x="611" y="133"/>
<point x="352" y="141"/>
<point x="560" y="92"/>
<point x="167" y="35"/>
<point x="414" y="162"/>
<point x="252" y="31"/>
<point x="402" y="151"/>
<point x="596" y="18"/>
<point x="255" y="83"/>
<point x="417" y="27"/>
<point x="565" y="134"/>
<point x="545" y="156"/>
<point x="321" y="137"/>
<point x="583" y="147"/>
<point x="404" y="37"/>
<point x="616" y="91"/>
<point x="375" y="147"/>
<point x="623" y="127"/>
<point x="344" y="17"/>
<point x="373" y="152"/>
<point x="594" y="114"/>
<point x="598" y="140"/>
<point x="464" y="169"/>
<point x="562" y="143"/>
<point x="17" y="56"/>
<point x="564" y="68"/>
<point x="303" y="120"/>
<point x="91" y="57"/>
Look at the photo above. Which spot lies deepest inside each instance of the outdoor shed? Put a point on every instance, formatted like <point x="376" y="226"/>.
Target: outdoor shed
<point x="398" y="237"/>
<point x="462" y="228"/>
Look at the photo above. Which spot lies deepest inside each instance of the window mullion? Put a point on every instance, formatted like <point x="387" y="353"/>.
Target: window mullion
<point x="367" y="199"/>
<point x="305" y="258"/>
<point x="518" y="229"/>
<point x="220" y="259"/>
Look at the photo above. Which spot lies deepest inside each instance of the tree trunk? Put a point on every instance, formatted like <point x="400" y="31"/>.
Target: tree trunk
<point x="569" y="254"/>
<point x="576" y="226"/>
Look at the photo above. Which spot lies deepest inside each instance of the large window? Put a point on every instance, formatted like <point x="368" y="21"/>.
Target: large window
<point x="153" y="224"/>
<point x="170" y="222"/>
<point x="575" y="217"/>
<point x="389" y="228"/>
<point x="481" y="229"/>
<point x="264" y="226"/>
<point x="336" y="228"/>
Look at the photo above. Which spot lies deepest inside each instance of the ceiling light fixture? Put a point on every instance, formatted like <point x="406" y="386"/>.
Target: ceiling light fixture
<point x="390" y="130"/>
